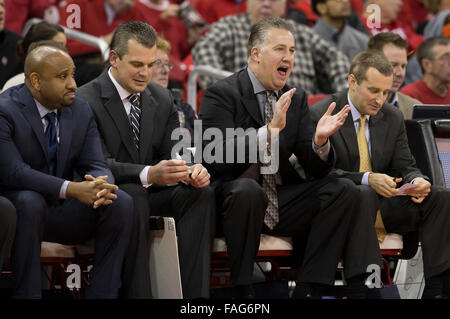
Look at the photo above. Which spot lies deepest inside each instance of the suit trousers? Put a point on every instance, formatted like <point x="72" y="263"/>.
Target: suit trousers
<point x="69" y="222"/>
<point x="7" y="228"/>
<point x="431" y="218"/>
<point x="322" y="216"/>
<point x="194" y="212"/>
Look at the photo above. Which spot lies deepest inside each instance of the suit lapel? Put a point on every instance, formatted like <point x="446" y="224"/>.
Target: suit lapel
<point x="347" y="131"/>
<point x="249" y="100"/>
<point x="65" y="138"/>
<point x="115" y="108"/>
<point x="149" y="106"/>
<point x="378" y="133"/>
<point x="33" y="117"/>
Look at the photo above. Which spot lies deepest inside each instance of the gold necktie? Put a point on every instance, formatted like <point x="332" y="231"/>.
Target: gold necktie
<point x="366" y="166"/>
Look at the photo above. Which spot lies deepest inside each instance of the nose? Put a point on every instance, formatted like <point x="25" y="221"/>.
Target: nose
<point x="71" y="84"/>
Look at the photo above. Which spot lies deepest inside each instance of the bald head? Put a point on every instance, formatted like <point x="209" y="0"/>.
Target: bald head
<point x="40" y="58"/>
<point x="49" y="75"/>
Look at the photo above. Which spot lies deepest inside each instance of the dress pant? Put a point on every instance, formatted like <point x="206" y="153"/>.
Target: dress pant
<point x="323" y="217"/>
<point x="69" y="222"/>
<point x="431" y="218"/>
<point x="194" y="212"/>
<point x="7" y="228"/>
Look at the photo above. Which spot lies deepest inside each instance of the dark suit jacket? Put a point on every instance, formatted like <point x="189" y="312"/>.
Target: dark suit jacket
<point x="389" y="144"/>
<point x="24" y="162"/>
<point x="159" y="118"/>
<point x="231" y="103"/>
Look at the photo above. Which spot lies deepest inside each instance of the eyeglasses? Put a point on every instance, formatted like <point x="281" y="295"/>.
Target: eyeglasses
<point x="159" y="65"/>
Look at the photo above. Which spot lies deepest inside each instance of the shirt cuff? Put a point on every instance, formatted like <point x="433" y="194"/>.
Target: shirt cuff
<point x="62" y="191"/>
<point x="322" y="151"/>
<point x="143" y="177"/>
<point x="365" y="179"/>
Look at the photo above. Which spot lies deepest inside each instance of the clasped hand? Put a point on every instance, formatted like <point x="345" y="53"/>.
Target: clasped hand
<point x="94" y="191"/>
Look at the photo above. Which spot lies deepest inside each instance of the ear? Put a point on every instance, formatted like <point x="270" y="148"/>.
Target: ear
<point x="352" y="82"/>
<point x="113" y="57"/>
<point x="35" y="81"/>
<point x="255" y="54"/>
<point x="426" y="64"/>
<point x="322" y="8"/>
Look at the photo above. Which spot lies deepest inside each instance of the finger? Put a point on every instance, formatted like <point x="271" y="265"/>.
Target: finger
<point x="89" y="177"/>
<point x="101" y="193"/>
<point x="330" y="108"/>
<point x="98" y="202"/>
<point x="417" y="200"/>
<point x="175" y="162"/>
<point x="108" y="186"/>
<point x="176" y="177"/>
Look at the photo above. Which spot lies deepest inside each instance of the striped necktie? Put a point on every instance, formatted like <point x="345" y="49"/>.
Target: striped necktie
<point x="135" y="117"/>
<point x="271" y="217"/>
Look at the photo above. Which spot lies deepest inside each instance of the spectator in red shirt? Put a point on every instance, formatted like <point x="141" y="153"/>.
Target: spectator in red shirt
<point x="27" y="9"/>
<point x="99" y="18"/>
<point x="434" y="59"/>
<point x="213" y="10"/>
<point x="389" y="21"/>
<point x="167" y="19"/>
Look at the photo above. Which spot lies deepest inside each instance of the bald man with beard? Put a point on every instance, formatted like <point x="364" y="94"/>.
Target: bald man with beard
<point x="46" y="134"/>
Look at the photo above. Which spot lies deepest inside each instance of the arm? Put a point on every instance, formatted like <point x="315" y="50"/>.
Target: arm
<point x="15" y="174"/>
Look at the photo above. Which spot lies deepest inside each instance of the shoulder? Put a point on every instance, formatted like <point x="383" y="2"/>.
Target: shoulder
<point x="404" y="98"/>
<point x="162" y="95"/>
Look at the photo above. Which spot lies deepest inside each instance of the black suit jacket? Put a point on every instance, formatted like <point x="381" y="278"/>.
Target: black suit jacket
<point x="390" y="153"/>
<point x="24" y="162"/>
<point x="231" y="103"/>
<point x="159" y="118"/>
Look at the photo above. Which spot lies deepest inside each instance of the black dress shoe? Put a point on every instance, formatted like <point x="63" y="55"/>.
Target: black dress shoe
<point x="244" y="292"/>
<point x="306" y="291"/>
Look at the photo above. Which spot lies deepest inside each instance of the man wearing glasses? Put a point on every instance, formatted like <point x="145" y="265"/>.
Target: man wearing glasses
<point x="434" y="59"/>
<point x="160" y="75"/>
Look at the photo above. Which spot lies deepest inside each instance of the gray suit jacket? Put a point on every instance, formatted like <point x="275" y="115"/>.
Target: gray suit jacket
<point x="406" y="105"/>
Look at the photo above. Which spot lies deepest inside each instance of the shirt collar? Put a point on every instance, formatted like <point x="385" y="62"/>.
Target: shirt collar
<point x="355" y="113"/>
<point x="43" y="110"/>
<point x="124" y="94"/>
<point x="257" y="85"/>
<point x="395" y="99"/>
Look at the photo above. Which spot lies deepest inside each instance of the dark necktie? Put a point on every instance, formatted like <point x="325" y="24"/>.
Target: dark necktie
<point x="51" y="138"/>
<point x="135" y="117"/>
<point x="395" y="103"/>
<point x="271" y="217"/>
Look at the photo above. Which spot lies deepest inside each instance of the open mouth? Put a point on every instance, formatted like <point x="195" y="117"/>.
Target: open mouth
<point x="282" y="70"/>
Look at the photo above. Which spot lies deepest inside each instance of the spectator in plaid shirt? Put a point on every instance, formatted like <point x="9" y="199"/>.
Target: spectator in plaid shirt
<point x="319" y="67"/>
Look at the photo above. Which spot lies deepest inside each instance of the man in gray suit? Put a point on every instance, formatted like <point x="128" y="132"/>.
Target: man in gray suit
<point x="395" y="49"/>
<point x="136" y="120"/>
<point x="377" y="157"/>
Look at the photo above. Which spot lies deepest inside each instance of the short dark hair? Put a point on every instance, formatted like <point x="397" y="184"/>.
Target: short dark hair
<point x="369" y="59"/>
<point x="314" y="4"/>
<point x="426" y="49"/>
<point x="378" y="41"/>
<point x="259" y="31"/>
<point x="142" y="32"/>
<point x="37" y="32"/>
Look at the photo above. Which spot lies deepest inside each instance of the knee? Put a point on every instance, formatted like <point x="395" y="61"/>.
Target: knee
<point x="248" y="190"/>
<point x="8" y="216"/>
<point x="31" y="208"/>
<point x="122" y="208"/>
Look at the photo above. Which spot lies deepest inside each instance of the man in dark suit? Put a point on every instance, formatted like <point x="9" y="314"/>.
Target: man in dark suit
<point x="317" y="210"/>
<point x="377" y="155"/>
<point x="136" y="120"/>
<point x="46" y="134"/>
